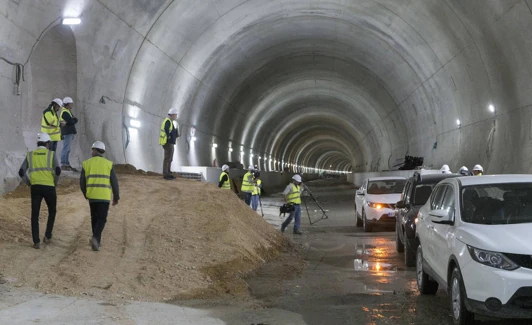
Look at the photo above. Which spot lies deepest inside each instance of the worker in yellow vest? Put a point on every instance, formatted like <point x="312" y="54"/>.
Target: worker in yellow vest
<point x="99" y="185"/>
<point x="255" y="195"/>
<point x="225" y="181"/>
<point x="292" y="195"/>
<point x="50" y="122"/>
<point x="44" y="172"/>
<point x="168" y="138"/>
<point x="68" y="131"/>
<point x="248" y="184"/>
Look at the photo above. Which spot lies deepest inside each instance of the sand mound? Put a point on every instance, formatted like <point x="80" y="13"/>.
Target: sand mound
<point x="165" y="240"/>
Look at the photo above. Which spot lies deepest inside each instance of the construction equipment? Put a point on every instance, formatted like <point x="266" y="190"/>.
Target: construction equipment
<point x="324" y="213"/>
<point x="261" y="211"/>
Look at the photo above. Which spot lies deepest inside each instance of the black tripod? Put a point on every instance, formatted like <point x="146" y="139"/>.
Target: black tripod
<point x="324" y="214"/>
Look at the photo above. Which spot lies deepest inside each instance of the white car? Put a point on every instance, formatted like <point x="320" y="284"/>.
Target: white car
<point x="475" y="241"/>
<point x="375" y="201"/>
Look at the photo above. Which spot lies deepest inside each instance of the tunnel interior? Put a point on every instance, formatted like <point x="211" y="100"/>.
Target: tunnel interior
<point x="293" y="85"/>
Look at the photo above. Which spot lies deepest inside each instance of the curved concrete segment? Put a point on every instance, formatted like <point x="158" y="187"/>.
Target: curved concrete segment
<point x="339" y="84"/>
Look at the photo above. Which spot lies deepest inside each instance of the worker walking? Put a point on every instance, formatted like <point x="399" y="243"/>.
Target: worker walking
<point x="292" y="196"/>
<point x="99" y="185"/>
<point x="225" y="181"/>
<point x="68" y="130"/>
<point x="255" y="194"/>
<point x="248" y="184"/>
<point x="478" y="170"/>
<point x="50" y="122"/>
<point x="167" y="139"/>
<point x="44" y="174"/>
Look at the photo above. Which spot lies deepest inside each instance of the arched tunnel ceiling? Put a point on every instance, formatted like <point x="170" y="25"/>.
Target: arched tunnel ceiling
<point x="335" y="70"/>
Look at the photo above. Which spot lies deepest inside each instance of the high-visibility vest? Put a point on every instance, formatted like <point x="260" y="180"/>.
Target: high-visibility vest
<point x="256" y="189"/>
<point x="227" y="184"/>
<point x="98" y="175"/>
<point x="62" y="111"/>
<point x="40" y="166"/>
<point x="247" y="187"/>
<point x="50" y="124"/>
<point x="295" y="195"/>
<point x="163" y="137"/>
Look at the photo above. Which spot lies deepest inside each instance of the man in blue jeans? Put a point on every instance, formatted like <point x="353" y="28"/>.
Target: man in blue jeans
<point x="68" y="130"/>
<point x="292" y="195"/>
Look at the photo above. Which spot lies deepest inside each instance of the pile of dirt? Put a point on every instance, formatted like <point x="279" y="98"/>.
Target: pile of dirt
<point x="163" y="241"/>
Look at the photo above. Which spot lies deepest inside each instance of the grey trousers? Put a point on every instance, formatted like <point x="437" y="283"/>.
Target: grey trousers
<point x="168" y="157"/>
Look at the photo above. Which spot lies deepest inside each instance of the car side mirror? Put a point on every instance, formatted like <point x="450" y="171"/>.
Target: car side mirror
<point x="400" y="205"/>
<point x="441" y="217"/>
<point x="360" y="192"/>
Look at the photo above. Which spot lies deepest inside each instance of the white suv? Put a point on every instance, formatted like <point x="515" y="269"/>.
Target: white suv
<point x="475" y="240"/>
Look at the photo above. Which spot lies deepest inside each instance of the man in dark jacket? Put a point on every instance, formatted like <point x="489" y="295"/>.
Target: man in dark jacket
<point x="68" y="130"/>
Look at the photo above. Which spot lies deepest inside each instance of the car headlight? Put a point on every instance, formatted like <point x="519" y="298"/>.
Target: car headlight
<point x="496" y="260"/>
<point x="374" y="205"/>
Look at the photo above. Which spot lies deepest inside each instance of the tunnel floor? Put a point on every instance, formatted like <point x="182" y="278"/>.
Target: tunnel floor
<point x="351" y="277"/>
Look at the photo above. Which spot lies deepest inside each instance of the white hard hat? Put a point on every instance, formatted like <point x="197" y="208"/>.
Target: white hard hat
<point x="172" y="111"/>
<point x="445" y="169"/>
<point x="464" y="169"/>
<point x="43" y="137"/>
<point x="297" y="178"/>
<point x="58" y="101"/>
<point x="478" y="168"/>
<point x="98" y="145"/>
<point x="251" y="168"/>
<point x="225" y="167"/>
<point x="67" y="100"/>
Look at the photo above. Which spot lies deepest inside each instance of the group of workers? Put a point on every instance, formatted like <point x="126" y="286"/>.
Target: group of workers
<point x="41" y="170"/>
<point x="478" y="170"/>
<point x="59" y="124"/>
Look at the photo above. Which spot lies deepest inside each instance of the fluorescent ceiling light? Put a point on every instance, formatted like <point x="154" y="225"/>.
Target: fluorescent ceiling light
<point x="135" y="123"/>
<point x="71" y="21"/>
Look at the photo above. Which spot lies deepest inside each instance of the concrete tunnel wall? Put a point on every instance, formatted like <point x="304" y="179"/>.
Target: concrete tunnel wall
<point x="337" y="84"/>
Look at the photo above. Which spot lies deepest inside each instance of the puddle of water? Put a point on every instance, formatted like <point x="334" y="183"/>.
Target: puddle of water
<point x="367" y="266"/>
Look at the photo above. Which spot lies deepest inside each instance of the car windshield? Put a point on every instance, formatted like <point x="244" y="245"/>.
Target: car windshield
<point x="422" y="193"/>
<point x="497" y="204"/>
<point x="388" y="186"/>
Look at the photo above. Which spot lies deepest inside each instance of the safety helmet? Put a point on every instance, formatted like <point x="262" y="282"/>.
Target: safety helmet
<point x="478" y="168"/>
<point x="251" y="168"/>
<point x="297" y="178"/>
<point x="172" y="111"/>
<point x="225" y="168"/>
<point x="43" y="137"/>
<point x="58" y="102"/>
<point x="98" y="145"/>
<point x="445" y="169"/>
<point x="67" y="100"/>
<point x="464" y="170"/>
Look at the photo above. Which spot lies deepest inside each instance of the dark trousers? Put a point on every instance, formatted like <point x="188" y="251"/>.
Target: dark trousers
<point x="39" y="192"/>
<point x="168" y="157"/>
<point x="53" y="146"/>
<point x="99" y="212"/>
<point x="248" y="198"/>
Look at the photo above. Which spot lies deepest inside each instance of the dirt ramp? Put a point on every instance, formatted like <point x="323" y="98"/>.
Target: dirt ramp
<point x="165" y="240"/>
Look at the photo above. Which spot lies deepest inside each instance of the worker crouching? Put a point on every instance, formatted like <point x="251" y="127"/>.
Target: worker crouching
<point x="99" y="185"/>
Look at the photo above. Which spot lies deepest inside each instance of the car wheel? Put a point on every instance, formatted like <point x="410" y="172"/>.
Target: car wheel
<point x="365" y="224"/>
<point x="410" y="254"/>
<point x="425" y="285"/>
<point x="399" y="246"/>
<point x="359" y="220"/>
<point x="461" y="316"/>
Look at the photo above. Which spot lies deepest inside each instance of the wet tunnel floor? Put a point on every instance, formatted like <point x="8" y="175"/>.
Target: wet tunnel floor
<point x="352" y="277"/>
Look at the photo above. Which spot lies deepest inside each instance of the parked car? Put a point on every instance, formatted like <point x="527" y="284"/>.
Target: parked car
<point x="375" y="201"/>
<point x="416" y="193"/>
<point x="474" y="236"/>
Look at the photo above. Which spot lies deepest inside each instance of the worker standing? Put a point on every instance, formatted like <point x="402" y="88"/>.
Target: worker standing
<point x="167" y="139"/>
<point x="478" y="170"/>
<point x="50" y="122"/>
<point x="248" y="184"/>
<point x="464" y="171"/>
<point x="257" y="187"/>
<point x="99" y="184"/>
<point x="445" y="169"/>
<point x="225" y="181"/>
<point x="44" y="173"/>
<point x="68" y="130"/>
<point x="292" y="195"/>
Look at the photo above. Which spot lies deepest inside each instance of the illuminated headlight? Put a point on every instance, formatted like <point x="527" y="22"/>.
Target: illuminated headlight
<point x="374" y="205"/>
<point x="496" y="260"/>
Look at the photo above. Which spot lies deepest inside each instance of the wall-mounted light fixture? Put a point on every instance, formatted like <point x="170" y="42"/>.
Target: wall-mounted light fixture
<point x="71" y="21"/>
<point x="193" y="139"/>
<point x="491" y="108"/>
<point x="134" y="123"/>
<point x="230" y="149"/>
<point x="458" y="123"/>
<point x="214" y="145"/>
